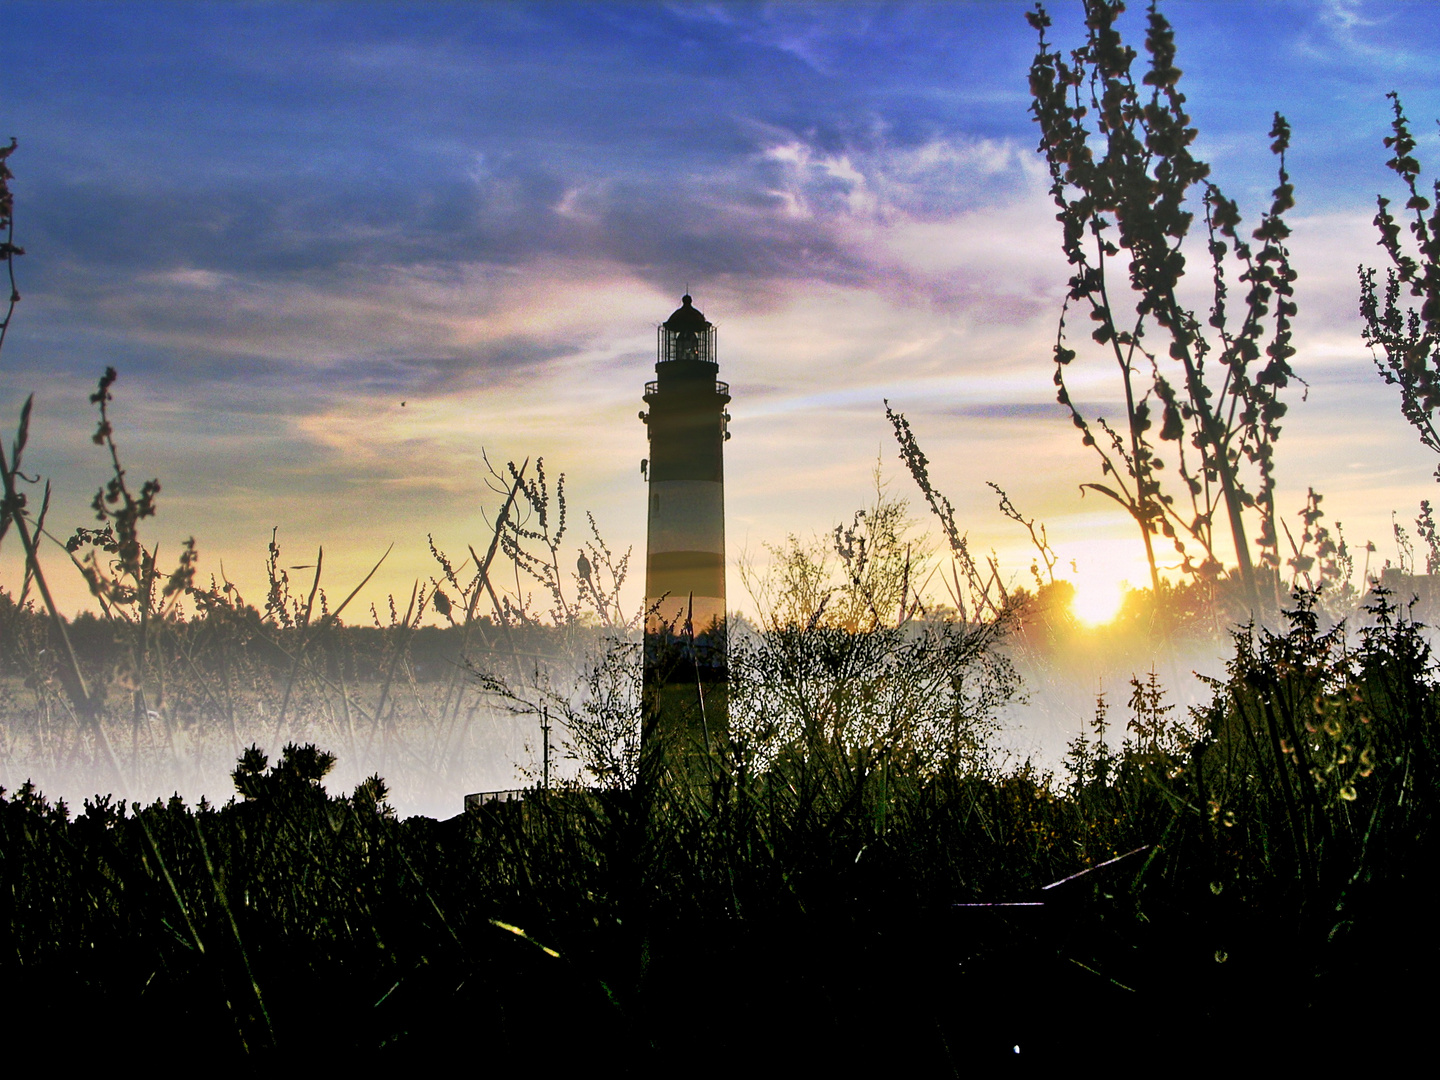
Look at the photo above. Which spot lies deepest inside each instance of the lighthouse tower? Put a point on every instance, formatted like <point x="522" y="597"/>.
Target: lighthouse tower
<point x="685" y="557"/>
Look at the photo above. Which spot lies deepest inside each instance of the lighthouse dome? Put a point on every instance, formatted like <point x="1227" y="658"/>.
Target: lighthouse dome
<point x="686" y="317"/>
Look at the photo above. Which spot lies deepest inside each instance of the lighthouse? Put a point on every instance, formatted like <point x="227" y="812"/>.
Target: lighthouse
<point x="687" y="424"/>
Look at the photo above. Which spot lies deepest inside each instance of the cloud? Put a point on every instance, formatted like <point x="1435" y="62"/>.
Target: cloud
<point x="1347" y="31"/>
<point x="1011" y="410"/>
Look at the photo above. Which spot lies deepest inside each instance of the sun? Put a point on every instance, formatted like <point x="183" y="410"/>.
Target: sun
<point x="1096" y="601"/>
<point x="1101" y="569"/>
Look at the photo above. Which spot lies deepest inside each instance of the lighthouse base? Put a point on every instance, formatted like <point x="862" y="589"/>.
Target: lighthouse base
<point x="685" y="736"/>
<point x="686" y="703"/>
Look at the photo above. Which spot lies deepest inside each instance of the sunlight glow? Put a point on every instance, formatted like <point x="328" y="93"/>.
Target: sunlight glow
<point x="1096" y="601"/>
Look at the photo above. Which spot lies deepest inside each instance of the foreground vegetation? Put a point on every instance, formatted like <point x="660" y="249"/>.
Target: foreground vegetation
<point x="1245" y="877"/>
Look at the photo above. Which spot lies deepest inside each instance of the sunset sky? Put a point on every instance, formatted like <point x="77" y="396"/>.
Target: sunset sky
<point x="280" y="222"/>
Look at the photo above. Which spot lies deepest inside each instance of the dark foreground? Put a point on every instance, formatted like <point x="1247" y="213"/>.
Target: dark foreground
<point x="1281" y="906"/>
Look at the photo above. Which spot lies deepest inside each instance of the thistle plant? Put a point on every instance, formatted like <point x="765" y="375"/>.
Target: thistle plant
<point x="1404" y="341"/>
<point x="1124" y="180"/>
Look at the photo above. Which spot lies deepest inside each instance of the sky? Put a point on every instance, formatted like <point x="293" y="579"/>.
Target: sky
<point x="340" y="254"/>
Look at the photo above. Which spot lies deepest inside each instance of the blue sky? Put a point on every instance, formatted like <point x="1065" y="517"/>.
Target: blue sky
<point x="280" y="221"/>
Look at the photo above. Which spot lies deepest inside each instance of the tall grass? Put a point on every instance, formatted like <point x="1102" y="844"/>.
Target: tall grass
<point x="1274" y="858"/>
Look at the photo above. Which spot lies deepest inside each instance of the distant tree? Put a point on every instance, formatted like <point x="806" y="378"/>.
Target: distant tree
<point x="1126" y="185"/>
<point x="846" y="665"/>
<point x="1408" y="339"/>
